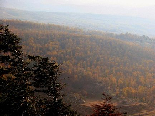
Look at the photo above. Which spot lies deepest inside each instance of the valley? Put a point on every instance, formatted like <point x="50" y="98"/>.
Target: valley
<point x="95" y="62"/>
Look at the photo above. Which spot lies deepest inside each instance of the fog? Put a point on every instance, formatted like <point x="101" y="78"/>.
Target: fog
<point x="136" y="8"/>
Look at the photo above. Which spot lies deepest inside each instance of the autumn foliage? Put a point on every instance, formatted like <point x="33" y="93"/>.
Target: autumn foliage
<point x="106" y="108"/>
<point x="122" y="65"/>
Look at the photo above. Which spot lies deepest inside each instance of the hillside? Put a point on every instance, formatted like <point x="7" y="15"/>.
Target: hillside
<point x="107" y="23"/>
<point x="95" y="62"/>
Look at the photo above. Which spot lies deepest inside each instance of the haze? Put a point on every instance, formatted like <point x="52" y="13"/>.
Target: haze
<point x="137" y="8"/>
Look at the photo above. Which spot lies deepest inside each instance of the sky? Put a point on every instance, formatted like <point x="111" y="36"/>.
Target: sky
<point x="139" y="8"/>
<point x="133" y="3"/>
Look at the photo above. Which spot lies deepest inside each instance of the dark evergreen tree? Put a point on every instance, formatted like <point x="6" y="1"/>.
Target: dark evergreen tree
<point x="20" y="82"/>
<point x="46" y="80"/>
<point x="15" y="93"/>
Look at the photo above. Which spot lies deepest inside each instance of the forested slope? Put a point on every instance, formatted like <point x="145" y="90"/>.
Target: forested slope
<point x="96" y="62"/>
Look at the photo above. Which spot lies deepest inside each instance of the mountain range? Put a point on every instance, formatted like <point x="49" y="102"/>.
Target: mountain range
<point x="100" y="22"/>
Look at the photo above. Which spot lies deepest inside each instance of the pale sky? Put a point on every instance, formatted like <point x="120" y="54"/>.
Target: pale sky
<point x="127" y="3"/>
<point x="140" y="8"/>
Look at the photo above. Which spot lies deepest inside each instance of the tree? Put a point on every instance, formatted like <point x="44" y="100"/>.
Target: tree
<point x="15" y="93"/>
<point x="46" y="80"/>
<point x="106" y="108"/>
<point x="20" y="82"/>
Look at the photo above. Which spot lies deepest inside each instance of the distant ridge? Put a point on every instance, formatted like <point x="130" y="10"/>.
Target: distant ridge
<point x="107" y="23"/>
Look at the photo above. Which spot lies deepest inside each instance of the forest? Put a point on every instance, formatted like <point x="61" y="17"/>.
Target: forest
<point x="120" y="65"/>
